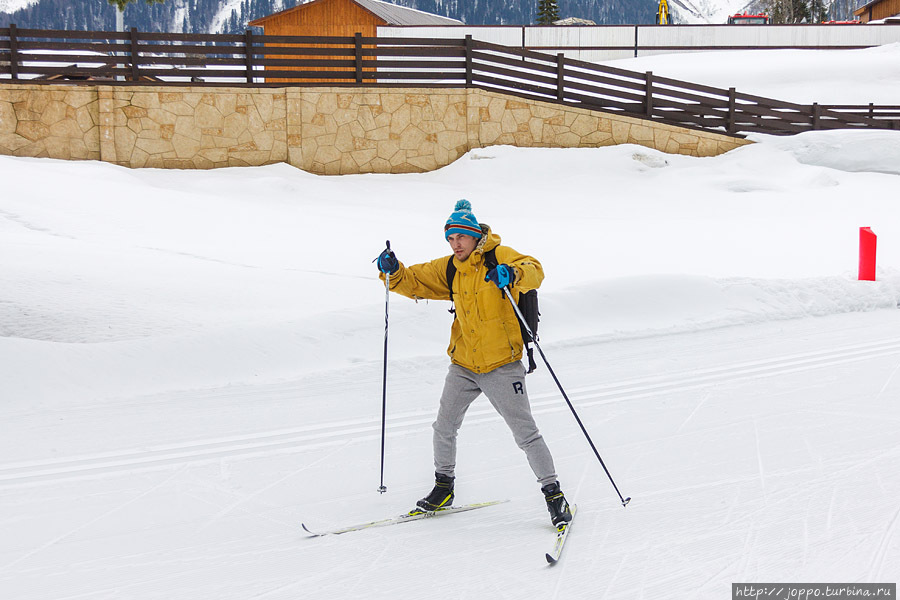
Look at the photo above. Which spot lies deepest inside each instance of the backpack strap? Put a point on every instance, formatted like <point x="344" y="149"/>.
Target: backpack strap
<point x="451" y="273"/>
<point x="490" y="261"/>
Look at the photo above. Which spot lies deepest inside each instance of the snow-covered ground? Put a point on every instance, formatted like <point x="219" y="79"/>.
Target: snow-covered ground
<point x="191" y="367"/>
<point x="803" y="76"/>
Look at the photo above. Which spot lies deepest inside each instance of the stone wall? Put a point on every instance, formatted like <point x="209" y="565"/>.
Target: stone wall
<point x="58" y="121"/>
<point x="322" y="130"/>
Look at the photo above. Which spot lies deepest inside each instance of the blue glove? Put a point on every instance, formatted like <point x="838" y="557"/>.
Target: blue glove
<point x="501" y="275"/>
<point x="387" y="262"/>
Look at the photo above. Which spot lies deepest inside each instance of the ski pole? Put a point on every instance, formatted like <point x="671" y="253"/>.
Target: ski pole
<point x="533" y="337"/>
<point x="387" y="298"/>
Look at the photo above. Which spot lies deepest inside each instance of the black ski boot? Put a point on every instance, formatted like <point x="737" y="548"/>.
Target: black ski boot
<point x="556" y="504"/>
<point x="441" y="496"/>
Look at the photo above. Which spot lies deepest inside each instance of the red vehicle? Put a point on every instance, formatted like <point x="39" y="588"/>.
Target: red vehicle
<point x="747" y="19"/>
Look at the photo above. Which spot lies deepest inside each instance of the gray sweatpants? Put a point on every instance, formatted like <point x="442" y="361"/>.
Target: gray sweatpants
<point x="505" y="388"/>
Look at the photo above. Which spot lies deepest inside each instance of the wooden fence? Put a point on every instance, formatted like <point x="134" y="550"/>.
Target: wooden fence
<point x="110" y="58"/>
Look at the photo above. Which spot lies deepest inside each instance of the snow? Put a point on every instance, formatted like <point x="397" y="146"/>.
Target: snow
<point x="803" y="76"/>
<point x="11" y="6"/>
<point x="714" y="12"/>
<point x="192" y="367"/>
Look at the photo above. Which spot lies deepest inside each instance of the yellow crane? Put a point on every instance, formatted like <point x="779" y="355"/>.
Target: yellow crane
<point x="662" y="14"/>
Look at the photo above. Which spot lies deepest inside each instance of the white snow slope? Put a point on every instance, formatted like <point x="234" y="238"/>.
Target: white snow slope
<point x="192" y="361"/>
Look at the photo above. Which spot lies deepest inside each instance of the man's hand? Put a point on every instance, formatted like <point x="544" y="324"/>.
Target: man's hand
<point x="387" y="262"/>
<point x="502" y="276"/>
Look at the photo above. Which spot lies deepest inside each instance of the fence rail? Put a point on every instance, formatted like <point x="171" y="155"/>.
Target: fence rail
<point x="133" y="57"/>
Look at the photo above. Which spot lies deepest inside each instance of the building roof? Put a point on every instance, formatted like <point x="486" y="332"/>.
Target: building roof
<point x="401" y="15"/>
<point x="866" y="6"/>
<point x="574" y="21"/>
<point x="392" y="14"/>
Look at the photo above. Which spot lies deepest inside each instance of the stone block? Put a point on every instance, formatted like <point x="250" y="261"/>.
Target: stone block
<point x="332" y="168"/>
<point x="423" y="163"/>
<point x="32" y="130"/>
<point x="139" y="158"/>
<point x="146" y="100"/>
<point x="326" y="104"/>
<point x="366" y="119"/>
<point x="400" y="119"/>
<point x="193" y="99"/>
<point x="185" y="147"/>
<point x="387" y="149"/>
<point x="169" y="97"/>
<point x="391" y="102"/>
<point x="8" y="119"/>
<point x="342" y="116"/>
<point x="584" y="125"/>
<point x="207" y="116"/>
<point x="508" y="123"/>
<point x="411" y="138"/>
<point x="235" y="124"/>
<point x="224" y="103"/>
<point x="87" y="117"/>
<point x="187" y="127"/>
<point x="67" y="129"/>
<point x="92" y="141"/>
<point x="489" y="132"/>
<point x="134" y="112"/>
<point x="151" y="147"/>
<point x="597" y="139"/>
<point x="620" y="130"/>
<point x="125" y="141"/>
<point x="54" y="112"/>
<point x="327" y="154"/>
<point x="707" y="147"/>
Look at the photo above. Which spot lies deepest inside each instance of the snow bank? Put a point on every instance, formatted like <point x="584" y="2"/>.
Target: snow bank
<point x="854" y="151"/>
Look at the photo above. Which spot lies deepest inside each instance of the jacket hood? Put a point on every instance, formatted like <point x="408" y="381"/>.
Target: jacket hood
<point x="489" y="240"/>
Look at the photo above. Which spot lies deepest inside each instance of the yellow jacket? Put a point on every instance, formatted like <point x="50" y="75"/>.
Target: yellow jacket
<point x="485" y="333"/>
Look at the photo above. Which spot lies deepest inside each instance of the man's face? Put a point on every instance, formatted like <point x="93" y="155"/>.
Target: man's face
<point x="462" y="245"/>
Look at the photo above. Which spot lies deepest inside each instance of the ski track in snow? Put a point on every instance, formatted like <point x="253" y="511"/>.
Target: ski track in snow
<point x="355" y="430"/>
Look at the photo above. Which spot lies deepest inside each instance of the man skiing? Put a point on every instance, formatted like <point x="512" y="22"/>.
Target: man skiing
<point x="485" y="347"/>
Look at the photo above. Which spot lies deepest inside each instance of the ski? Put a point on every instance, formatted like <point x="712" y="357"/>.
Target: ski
<point x="413" y="515"/>
<point x="562" y="531"/>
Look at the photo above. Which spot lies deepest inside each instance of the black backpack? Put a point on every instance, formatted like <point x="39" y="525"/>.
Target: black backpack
<point x="528" y="305"/>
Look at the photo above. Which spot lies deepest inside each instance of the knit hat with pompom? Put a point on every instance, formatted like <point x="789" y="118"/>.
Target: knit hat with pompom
<point x="462" y="221"/>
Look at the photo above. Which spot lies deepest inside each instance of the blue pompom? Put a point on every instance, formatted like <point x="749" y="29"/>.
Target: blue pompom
<point x="463" y="205"/>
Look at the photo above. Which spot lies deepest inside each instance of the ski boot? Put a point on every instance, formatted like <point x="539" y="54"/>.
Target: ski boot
<point x="440" y="497"/>
<point x="556" y="504"/>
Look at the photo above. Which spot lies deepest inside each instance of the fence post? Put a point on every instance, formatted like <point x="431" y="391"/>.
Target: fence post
<point x="560" y="76"/>
<point x="248" y="52"/>
<point x="732" y="110"/>
<point x="816" y="115"/>
<point x="635" y="40"/>
<point x="135" y="56"/>
<point x="357" y="44"/>
<point x="468" y="61"/>
<point x="648" y="103"/>
<point x="13" y="52"/>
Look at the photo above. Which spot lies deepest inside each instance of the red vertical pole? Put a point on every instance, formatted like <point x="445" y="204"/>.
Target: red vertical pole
<point x="867" y="246"/>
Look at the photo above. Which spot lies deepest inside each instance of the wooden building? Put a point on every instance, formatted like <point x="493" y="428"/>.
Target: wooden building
<point x="339" y="18"/>
<point x="344" y="18"/>
<point x="877" y="10"/>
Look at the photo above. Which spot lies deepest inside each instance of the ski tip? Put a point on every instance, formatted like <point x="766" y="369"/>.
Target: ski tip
<point x="550" y="559"/>
<point x="306" y="529"/>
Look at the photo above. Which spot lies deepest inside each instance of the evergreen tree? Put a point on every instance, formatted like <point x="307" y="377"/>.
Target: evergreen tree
<point x="547" y="12"/>
<point x="789" y="11"/>
<point x="121" y="4"/>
